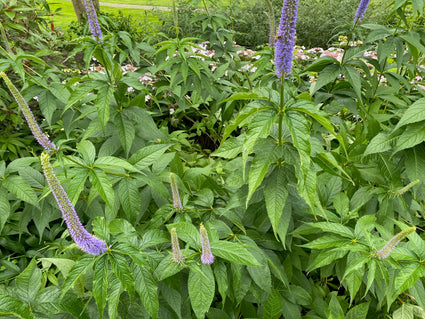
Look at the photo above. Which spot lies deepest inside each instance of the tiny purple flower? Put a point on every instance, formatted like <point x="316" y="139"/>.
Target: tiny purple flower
<point x="361" y="10"/>
<point x="93" y="20"/>
<point x="41" y="138"/>
<point x="84" y="240"/>
<point x="175" y="192"/>
<point x="285" y="38"/>
<point x="393" y="242"/>
<point x="207" y="257"/>
<point x="175" y="247"/>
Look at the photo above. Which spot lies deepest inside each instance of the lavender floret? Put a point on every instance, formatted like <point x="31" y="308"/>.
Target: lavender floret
<point x="207" y="257"/>
<point x="93" y="21"/>
<point x="41" y="138"/>
<point x="361" y="10"/>
<point x="84" y="240"/>
<point x="175" y="247"/>
<point x="285" y="39"/>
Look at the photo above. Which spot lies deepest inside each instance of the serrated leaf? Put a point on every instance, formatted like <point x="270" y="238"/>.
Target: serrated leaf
<point x="12" y="306"/>
<point x="187" y="232"/>
<point x="353" y="77"/>
<point x="230" y="148"/>
<point x="105" y="162"/>
<point x="148" y="155"/>
<point x="104" y="96"/>
<point x="103" y="186"/>
<point x="275" y="195"/>
<point x="167" y="268"/>
<point x="413" y="135"/>
<point x="114" y="293"/>
<point x="4" y="207"/>
<point x="233" y="252"/>
<point x="415" y="113"/>
<point x="245" y="96"/>
<point x="28" y="283"/>
<point x="325" y="258"/>
<point x="87" y="151"/>
<point x="100" y="283"/>
<point x="335" y="228"/>
<point x="327" y="75"/>
<point x="63" y="264"/>
<point x="327" y="241"/>
<point x="126" y="132"/>
<point x="358" y="311"/>
<point x="120" y="267"/>
<point x="129" y="196"/>
<point x="79" y="269"/>
<point x="415" y="163"/>
<point x="21" y="189"/>
<point x="81" y="92"/>
<point x="407" y="277"/>
<point x="201" y="287"/>
<point x="273" y="306"/>
<point x="147" y="289"/>
<point x="379" y="144"/>
<point x="221" y="278"/>
<point x="77" y="183"/>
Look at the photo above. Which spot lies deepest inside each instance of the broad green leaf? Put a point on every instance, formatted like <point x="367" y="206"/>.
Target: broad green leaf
<point x="187" y="232"/>
<point x="106" y="162"/>
<point x="126" y="132"/>
<point x="353" y="77"/>
<point x="273" y="306"/>
<point x="335" y="228"/>
<point x="18" y="163"/>
<point x="415" y="113"/>
<point x="413" y="135"/>
<point x="230" y="148"/>
<point x="4" y="207"/>
<point x="77" y="183"/>
<point x="114" y="293"/>
<point x="415" y="163"/>
<point x="12" y="306"/>
<point x="319" y="64"/>
<point x="167" y="268"/>
<point x="312" y="110"/>
<point x="104" y="96"/>
<point x="78" y="270"/>
<point x="147" y="289"/>
<point x="233" y="252"/>
<point x="120" y="266"/>
<point x="103" y="186"/>
<point x="404" y="312"/>
<point x="201" y="287"/>
<point x="245" y="96"/>
<point x="100" y="283"/>
<point x="327" y="75"/>
<point x="301" y="295"/>
<point x="324" y="258"/>
<point x="221" y="278"/>
<point x="327" y="241"/>
<point x="129" y="196"/>
<point x="353" y="281"/>
<point x="28" y="283"/>
<point x="81" y="92"/>
<point x="63" y="264"/>
<point x="47" y="103"/>
<point x="148" y="155"/>
<point x="275" y="195"/>
<point x="379" y="144"/>
<point x="87" y="151"/>
<point x="358" y="311"/>
<point x="300" y="132"/>
<point x="19" y="187"/>
<point x="407" y="276"/>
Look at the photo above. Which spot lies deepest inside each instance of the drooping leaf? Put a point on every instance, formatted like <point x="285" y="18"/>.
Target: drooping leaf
<point x="147" y="289"/>
<point x="273" y="306"/>
<point x="100" y="283"/>
<point x="201" y="289"/>
<point x="233" y="252"/>
<point x="10" y="305"/>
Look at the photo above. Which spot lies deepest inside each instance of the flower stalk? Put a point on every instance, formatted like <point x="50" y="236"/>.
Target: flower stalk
<point x="175" y="247"/>
<point x="41" y="138"/>
<point x="393" y="242"/>
<point x="95" y="30"/>
<point x="175" y="192"/>
<point x="361" y="10"/>
<point x="84" y="240"/>
<point x="285" y="38"/>
<point x="207" y="257"/>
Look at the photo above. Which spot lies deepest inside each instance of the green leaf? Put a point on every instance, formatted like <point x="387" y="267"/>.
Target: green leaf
<point x="230" y="148"/>
<point x="415" y="163"/>
<point x="187" y="232"/>
<point x="87" y="151"/>
<point x="77" y="183"/>
<point x="273" y="306"/>
<point x="359" y="311"/>
<point x="167" y="268"/>
<point x="327" y="75"/>
<point x="104" y="95"/>
<point x="300" y="132"/>
<point x="201" y="289"/>
<point x="106" y="162"/>
<point x="79" y="269"/>
<point x="120" y="267"/>
<point x="114" y="292"/>
<point x="63" y="264"/>
<point x="28" y="283"/>
<point x="327" y="241"/>
<point x="12" y="306"/>
<point x="325" y="258"/>
<point x="245" y="96"/>
<point x="148" y="155"/>
<point x="407" y="277"/>
<point x="275" y="195"/>
<point x="413" y="135"/>
<point x="129" y="196"/>
<point x="379" y="144"/>
<point x="353" y="281"/>
<point x="103" y="186"/>
<point x="100" y="283"/>
<point x="81" y="92"/>
<point x="221" y="278"/>
<point x="404" y="312"/>
<point x="147" y="289"/>
<point x="126" y="132"/>
<point x="415" y="113"/>
<point x="233" y="252"/>
<point x="4" y="207"/>
<point x="353" y="77"/>
<point x="335" y="228"/>
<point x="21" y="189"/>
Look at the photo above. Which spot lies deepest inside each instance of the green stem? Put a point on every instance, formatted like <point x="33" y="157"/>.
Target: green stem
<point x="281" y="111"/>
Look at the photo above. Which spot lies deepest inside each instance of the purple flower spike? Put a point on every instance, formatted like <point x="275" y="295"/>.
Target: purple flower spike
<point x="207" y="257"/>
<point x="175" y="247"/>
<point x="42" y="139"/>
<point x="175" y="192"/>
<point x="285" y="38"/>
<point x="93" y="21"/>
<point x="84" y="240"/>
<point x="361" y="10"/>
<point x="393" y="242"/>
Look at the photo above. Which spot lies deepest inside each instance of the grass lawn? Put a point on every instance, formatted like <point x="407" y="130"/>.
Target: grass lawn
<point x="66" y="14"/>
<point x="165" y="3"/>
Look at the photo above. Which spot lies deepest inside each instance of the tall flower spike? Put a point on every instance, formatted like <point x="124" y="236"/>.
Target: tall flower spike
<point x="95" y="30"/>
<point x="361" y="10"/>
<point x="175" y="247"/>
<point x="84" y="240"/>
<point x="42" y="139"/>
<point x="175" y="192"/>
<point x="207" y="257"/>
<point x="393" y="242"/>
<point x="285" y="38"/>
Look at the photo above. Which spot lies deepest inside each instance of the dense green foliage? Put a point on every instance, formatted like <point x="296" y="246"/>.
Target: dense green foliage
<point x="299" y="184"/>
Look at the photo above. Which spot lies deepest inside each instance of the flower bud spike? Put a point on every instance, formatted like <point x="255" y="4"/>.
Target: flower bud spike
<point x="42" y="139"/>
<point x="95" y="30"/>
<point x="84" y="240"/>
<point x="175" y="192"/>
<point x="393" y="242"/>
<point x="175" y="247"/>
<point x="361" y="10"/>
<point x="207" y="257"/>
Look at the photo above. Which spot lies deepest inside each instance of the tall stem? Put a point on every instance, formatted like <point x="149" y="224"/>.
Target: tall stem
<point x="281" y="111"/>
